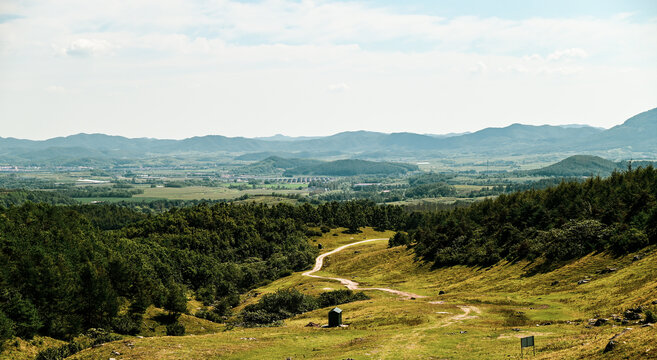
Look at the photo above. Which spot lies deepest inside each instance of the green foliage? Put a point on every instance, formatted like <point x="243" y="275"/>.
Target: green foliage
<point x="558" y="223"/>
<point x="337" y="297"/>
<point x="578" y="165"/>
<point x="399" y="239"/>
<point x="127" y="324"/>
<point x="18" y="197"/>
<point x="651" y="317"/>
<point x="176" y="300"/>
<point x="22" y="313"/>
<point x="432" y="190"/>
<point x="68" y="268"/>
<point x="429" y="178"/>
<point x="278" y="306"/>
<point x="271" y="309"/>
<point x="352" y="167"/>
<point x="119" y="191"/>
<point x="175" y="329"/>
<point x="59" y="353"/>
<point x="6" y="329"/>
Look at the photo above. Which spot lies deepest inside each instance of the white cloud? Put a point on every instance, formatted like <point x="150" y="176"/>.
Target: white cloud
<point x="341" y="87"/>
<point x="222" y="66"/>
<point x="567" y="54"/>
<point x="87" y="47"/>
<point x="56" y="89"/>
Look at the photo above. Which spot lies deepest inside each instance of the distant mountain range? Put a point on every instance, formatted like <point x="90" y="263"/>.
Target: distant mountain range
<point x="637" y="135"/>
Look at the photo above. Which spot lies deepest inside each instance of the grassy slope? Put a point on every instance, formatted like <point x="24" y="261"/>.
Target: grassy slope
<point x="389" y="327"/>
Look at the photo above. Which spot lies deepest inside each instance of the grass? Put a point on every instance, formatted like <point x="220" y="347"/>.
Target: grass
<point x="497" y="300"/>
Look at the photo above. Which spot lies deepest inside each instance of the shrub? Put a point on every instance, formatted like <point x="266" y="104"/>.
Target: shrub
<point x="59" y="353"/>
<point x="101" y="336"/>
<point x="127" y="324"/>
<point x="313" y="232"/>
<point x="278" y="306"/>
<point x="399" y="239"/>
<point x="651" y="317"/>
<point x="209" y="315"/>
<point x="176" y="329"/>
<point x="337" y="297"/>
<point x="628" y="240"/>
<point x="6" y="329"/>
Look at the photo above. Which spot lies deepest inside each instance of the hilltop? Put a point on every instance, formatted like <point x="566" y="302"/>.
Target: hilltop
<point x="584" y="165"/>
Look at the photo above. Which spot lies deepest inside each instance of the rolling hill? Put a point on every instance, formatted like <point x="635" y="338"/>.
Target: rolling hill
<point x="352" y="167"/>
<point x="584" y="165"/>
<point x="634" y="136"/>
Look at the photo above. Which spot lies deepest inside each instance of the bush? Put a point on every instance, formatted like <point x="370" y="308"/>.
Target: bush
<point x="651" y="317"/>
<point x="278" y="306"/>
<point x="6" y="329"/>
<point x="209" y="315"/>
<point x="399" y="239"/>
<point x="60" y="352"/>
<point x="337" y="297"/>
<point x="176" y="329"/>
<point x="127" y="324"/>
<point x="324" y="229"/>
<point x="101" y="336"/>
<point x="626" y="241"/>
<point x="261" y="317"/>
<point x="313" y="232"/>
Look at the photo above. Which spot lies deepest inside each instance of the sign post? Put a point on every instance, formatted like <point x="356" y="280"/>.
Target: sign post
<point x="527" y="342"/>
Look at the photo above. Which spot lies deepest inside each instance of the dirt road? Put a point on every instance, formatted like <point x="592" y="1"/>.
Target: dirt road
<point x="350" y="284"/>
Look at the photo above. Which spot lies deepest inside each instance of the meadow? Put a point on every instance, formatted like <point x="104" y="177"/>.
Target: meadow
<point x="482" y="314"/>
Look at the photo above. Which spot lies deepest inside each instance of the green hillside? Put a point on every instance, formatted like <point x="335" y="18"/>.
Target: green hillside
<point x="275" y="164"/>
<point x="352" y="167"/>
<point x="577" y="165"/>
<point x="482" y="314"/>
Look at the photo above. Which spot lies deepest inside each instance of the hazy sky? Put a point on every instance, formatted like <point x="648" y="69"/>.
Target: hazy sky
<point x="180" y="68"/>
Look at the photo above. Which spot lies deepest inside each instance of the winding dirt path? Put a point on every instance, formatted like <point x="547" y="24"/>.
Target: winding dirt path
<point x="350" y="284"/>
<point x="466" y="315"/>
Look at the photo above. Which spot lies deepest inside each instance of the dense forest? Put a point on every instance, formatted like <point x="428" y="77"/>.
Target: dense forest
<point x="352" y="167"/>
<point x="66" y="269"/>
<point x="617" y="214"/>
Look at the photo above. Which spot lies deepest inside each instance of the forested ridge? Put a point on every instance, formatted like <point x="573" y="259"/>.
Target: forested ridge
<point x="66" y="269"/>
<point x="616" y="214"/>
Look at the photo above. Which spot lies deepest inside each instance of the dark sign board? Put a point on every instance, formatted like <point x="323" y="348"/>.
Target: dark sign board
<point x="527" y="341"/>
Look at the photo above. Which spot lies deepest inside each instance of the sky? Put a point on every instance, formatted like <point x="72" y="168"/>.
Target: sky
<point x="182" y="68"/>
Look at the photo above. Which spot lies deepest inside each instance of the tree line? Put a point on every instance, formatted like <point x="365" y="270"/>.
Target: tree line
<point x="560" y="223"/>
<point x="66" y="269"/>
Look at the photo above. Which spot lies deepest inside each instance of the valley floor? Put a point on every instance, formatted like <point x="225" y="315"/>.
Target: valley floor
<point x="482" y="314"/>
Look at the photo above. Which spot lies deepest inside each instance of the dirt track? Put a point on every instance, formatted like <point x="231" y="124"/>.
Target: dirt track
<point x="350" y="284"/>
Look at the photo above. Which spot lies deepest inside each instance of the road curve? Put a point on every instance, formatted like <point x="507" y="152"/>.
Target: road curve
<point x="350" y="284"/>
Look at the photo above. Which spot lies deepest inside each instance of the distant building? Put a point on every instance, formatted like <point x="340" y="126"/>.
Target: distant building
<point x="335" y="317"/>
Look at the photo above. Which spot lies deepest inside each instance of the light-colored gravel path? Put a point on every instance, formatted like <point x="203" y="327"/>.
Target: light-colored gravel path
<point x="350" y="284"/>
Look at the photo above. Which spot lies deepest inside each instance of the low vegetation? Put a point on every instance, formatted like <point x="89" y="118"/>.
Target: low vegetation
<point x="285" y="303"/>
